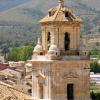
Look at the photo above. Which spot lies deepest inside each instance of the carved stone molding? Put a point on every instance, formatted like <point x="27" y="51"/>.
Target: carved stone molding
<point x="70" y="74"/>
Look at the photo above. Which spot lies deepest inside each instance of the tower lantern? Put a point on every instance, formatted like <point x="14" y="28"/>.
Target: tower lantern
<point x="62" y="26"/>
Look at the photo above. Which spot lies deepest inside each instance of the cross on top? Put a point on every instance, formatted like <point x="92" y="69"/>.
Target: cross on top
<point x="61" y="2"/>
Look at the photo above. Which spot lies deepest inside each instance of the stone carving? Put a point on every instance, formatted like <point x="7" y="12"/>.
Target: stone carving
<point x="70" y="74"/>
<point x="41" y="78"/>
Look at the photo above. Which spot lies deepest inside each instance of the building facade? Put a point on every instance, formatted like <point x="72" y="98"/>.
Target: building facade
<point x="60" y="65"/>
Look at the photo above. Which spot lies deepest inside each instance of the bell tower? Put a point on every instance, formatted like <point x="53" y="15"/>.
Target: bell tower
<point x="62" y="26"/>
<point x="60" y="64"/>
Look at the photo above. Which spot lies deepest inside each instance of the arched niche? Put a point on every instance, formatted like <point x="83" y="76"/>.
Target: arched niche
<point x="41" y="91"/>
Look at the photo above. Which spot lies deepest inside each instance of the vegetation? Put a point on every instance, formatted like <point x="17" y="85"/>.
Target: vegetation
<point x="20" y="26"/>
<point x="17" y="34"/>
<point x="95" y="67"/>
<point x="19" y="53"/>
<point x="95" y="91"/>
<point x="95" y="52"/>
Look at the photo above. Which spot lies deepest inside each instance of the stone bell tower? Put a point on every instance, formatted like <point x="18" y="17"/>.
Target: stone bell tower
<point x="60" y="65"/>
<point x="62" y="27"/>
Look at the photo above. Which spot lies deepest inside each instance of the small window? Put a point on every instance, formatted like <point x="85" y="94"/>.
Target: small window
<point x="29" y="91"/>
<point x="56" y="53"/>
<point x="49" y="14"/>
<point x="41" y="53"/>
<point x="66" y="14"/>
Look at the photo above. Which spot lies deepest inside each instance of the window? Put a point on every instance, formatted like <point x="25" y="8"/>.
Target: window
<point x="66" y="14"/>
<point x="49" y="14"/>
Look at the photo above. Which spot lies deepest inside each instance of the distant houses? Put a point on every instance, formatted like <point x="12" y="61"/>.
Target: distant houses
<point x="11" y="74"/>
<point x="94" y="78"/>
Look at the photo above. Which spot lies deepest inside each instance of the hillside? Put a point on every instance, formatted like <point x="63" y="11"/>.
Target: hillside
<point x="19" y="23"/>
<point x="7" y="4"/>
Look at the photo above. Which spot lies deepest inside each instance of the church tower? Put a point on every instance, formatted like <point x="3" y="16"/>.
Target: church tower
<point x="60" y="64"/>
<point x="62" y="27"/>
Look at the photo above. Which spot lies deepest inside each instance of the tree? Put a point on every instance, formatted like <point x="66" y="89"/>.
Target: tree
<point x="99" y="30"/>
<point x="94" y="52"/>
<point x="20" y="53"/>
<point x="95" y="67"/>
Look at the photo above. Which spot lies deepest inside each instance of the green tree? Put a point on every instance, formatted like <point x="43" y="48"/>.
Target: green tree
<point x="20" y="53"/>
<point x="95" y="67"/>
<point x="94" y="52"/>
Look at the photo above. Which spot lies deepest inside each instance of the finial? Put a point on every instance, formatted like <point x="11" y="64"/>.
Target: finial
<point x="61" y="2"/>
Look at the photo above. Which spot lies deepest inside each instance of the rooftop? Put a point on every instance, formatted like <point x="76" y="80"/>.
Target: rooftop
<point x="61" y="14"/>
<point x="9" y="93"/>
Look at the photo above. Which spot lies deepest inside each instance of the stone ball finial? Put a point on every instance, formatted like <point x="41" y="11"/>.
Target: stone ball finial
<point x="53" y="52"/>
<point x="61" y="2"/>
<point x="38" y="48"/>
<point x="54" y="48"/>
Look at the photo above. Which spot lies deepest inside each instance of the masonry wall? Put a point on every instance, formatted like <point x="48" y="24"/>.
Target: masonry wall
<point x="59" y="74"/>
<point x="57" y="35"/>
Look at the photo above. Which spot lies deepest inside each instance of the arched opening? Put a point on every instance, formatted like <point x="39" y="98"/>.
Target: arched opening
<point x="67" y="41"/>
<point x="30" y="91"/>
<point x="48" y="39"/>
<point x="41" y="91"/>
<point x="70" y="92"/>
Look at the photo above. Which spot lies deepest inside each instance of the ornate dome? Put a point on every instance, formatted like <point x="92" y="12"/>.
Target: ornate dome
<point x="53" y="48"/>
<point x="38" y="48"/>
<point x="54" y="52"/>
<point x="61" y="14"/>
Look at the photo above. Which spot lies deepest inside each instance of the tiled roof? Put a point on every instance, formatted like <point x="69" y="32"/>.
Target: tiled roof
<point x="58" y="14"/>
<point x="3" y="66"/>
<point x="9" y="93"/>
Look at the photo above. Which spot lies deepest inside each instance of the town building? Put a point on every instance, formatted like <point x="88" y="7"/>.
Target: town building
<point x="7" y="92"/>
<point x="94" y="78"/>
<point x="60" y="64"/>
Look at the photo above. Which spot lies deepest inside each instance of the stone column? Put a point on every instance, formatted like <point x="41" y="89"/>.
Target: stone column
<point x="44" y="38"/>
<point x="34" y="86"/>
<point x="52" y="38"/>
<point x="75" y="38"/>
<point x="78" y="31"/>
<point x="47" y="89"/>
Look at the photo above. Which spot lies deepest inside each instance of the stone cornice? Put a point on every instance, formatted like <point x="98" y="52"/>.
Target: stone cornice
<point x="61" y="23"/>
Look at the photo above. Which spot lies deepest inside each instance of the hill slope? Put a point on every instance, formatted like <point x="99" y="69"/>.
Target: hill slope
<point x="19" y="24"/>
<point x="7" y="4"/>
